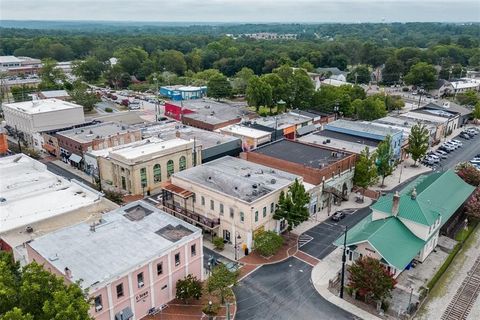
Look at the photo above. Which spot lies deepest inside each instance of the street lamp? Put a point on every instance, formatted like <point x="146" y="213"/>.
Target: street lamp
<point x="210" y="309"/>
<point x="336" y="108"/>
<point x="237" y="236"/>
<point x="344" y="260"/>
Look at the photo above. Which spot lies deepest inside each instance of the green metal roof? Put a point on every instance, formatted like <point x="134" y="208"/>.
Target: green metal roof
<point x="389" y="237"/>
<point x="438" y="194"/>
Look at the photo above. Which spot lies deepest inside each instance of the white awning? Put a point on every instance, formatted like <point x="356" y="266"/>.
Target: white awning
<point x="75" y="158"/>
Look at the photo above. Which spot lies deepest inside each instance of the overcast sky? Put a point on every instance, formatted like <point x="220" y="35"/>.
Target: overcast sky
<point x="243" y="10"/>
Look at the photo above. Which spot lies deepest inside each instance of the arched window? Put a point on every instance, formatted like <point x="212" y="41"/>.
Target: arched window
<point x="157" y="173"/>
<point x="182" y="163"/>
<point x="170" y="168"/>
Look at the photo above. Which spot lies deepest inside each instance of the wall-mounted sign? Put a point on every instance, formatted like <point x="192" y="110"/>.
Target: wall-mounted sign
<point x="141" y="296"/>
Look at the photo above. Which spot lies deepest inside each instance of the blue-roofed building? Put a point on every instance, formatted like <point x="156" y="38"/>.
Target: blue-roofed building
<point x="180" y="92"/>
<point x="371" y="131"/>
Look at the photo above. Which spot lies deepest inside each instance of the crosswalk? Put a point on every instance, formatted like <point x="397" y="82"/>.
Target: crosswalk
<point x="304" y="239"/>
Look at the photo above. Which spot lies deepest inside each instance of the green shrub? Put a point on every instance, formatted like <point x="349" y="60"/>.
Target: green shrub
<point x="108" y="109"/>
<point x="218" y="243"/>
<point x="385" y="305"/>
<point x="268" y="243"/>
<point x="211" y="310"/>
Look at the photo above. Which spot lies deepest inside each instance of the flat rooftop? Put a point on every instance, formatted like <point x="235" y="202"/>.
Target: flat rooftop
<point x="300" y="153"/>
<point x="214" y="112"/>
<point x="96" y="131"/>
<point x="128" y="118"/>
<point x="148" y="147"/>
<point x="9" y="59"/>
<point x="419" y="116"/>
<point x="361" y="126"/>
<point x="44" y="105"/>
<point x="54" y="93"/>
<point x="122" y="240"/>
<point x="30" y="193"/>
<point x="169" y="129"/>
<point x="283" y="120"/>
<point x="245" y="131"/>
<point x="340" y="141"/>
<point x="237" y="178"/>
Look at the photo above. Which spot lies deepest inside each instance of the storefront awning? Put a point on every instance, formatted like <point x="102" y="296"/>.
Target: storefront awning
<point x="125" y="314"/>
<point x="75" y="158"/>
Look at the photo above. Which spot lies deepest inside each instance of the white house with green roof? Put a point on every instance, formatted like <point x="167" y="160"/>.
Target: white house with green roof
<point x="406" y="226"/>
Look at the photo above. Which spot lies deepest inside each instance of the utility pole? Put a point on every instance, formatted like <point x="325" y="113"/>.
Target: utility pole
<point x="344" y="260"/>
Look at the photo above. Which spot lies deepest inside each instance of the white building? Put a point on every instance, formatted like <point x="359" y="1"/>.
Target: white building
<point x="33" y="117"/>
<point x="251" y="138"/>
<point x="34" y="201"/>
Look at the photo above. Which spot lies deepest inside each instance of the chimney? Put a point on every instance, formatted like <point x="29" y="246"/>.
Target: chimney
<point x="414" y="194"/>
<point x="177" y="134"/>
<point x="396" y="204"/>
<point x="68" y="273"/>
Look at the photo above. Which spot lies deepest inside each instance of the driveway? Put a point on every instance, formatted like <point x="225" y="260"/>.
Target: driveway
<point x="283" y="291"/>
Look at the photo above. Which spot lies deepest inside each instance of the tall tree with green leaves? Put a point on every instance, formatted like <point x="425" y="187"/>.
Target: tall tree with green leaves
<point x="218" y="87"/>
<point x="423" y="75"/>
<point x="81" y="96"/>
<point x="33" y="292"/>
<point x="242" y="78"/>
<point x="365" y="170"/>
<point x="259" y="93"/>
<point x="360" y="75"/>
<point x="418" y="142"/>
<point x="89" y="69"/>
<point x="51" y="77"/>
<point x="293" y="205"/>
<point x="384" y="159"/>
<point x="371" y="279"/>
<point x="301" y="88"/>
<point x="220" y="281"/>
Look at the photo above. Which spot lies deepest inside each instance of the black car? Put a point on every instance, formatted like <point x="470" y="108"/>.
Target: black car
<point x="444" y="149"/>
<point x="337" y="216"/>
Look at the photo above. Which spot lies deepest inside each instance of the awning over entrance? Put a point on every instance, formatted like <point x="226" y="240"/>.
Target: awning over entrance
<point x="75" y="158"/>
<point x="177" y="190"/>
<point x="125" y="314"/>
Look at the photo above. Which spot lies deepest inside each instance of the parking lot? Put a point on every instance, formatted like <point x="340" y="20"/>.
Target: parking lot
<point x="468" y="150"/>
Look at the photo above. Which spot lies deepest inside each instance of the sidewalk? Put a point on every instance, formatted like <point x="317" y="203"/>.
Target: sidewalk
<point x="79" y="173"/>
<point x="403" y="172"/>
<point x="326" y="270"/>
<point x="323" y="215"/>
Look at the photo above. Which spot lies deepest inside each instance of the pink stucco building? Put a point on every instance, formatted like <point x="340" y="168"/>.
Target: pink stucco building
<point x="129" y="261"/>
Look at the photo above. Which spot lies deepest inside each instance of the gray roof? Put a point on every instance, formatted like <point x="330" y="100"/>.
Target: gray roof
<point x="238" y="178"/>
<point x="300" y="153"/>
<point x="334" y="71"/>
<point x="450" y="107"/>
<point x="362" y="126"/>
<point x="124" y="239"/>
<point x="89" y="133"/>
<point x="283" y="120"/>
<point x="214" y="112"/>
<point x="169" y="129"/>
<point x="306" y="129"/>
<point x="128" y="118"/>
<point x="325" y="134"/>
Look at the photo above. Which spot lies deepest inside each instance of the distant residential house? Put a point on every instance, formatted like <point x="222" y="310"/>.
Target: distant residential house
<point x="442" y="87"/>
<point x="406" y="226"/>
<point x="333" y="73"/>
<point x="465" y="84"/>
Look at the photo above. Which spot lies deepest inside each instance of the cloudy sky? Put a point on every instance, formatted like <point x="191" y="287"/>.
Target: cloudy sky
<point x="243" y="10"/>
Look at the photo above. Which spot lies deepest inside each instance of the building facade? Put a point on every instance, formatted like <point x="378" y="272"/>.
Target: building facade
<point x="142" y="167"/>
<point x="34" y="117"/>
<point x="228" y="197"/>
<point x="126" y="281"/>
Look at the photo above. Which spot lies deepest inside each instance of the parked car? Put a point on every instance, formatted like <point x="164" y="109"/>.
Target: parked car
<point x="337" y="216"/>
<point x="435" y="158"/>
<point x="428" y="161"/>
<point x="458" y="142"/>
<point x="449" y="147"/>
<point x="445" y="149"/>
<point x="451" y="144"/>
<point x="440" y="154"/>
<point x="465" y="136"/>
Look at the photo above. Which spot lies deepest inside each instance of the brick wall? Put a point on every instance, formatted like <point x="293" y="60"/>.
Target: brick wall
<point x="208" y="126"/>
<point x="116" y="140"/>
<point x="310" y="175"/>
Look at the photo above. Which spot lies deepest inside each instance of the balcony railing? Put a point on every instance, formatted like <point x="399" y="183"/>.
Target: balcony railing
<point x="192" y="216"/>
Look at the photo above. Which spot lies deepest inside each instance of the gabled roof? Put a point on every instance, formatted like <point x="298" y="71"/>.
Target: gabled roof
<point x="389" y="237"/>
<point x="438" y="194"/>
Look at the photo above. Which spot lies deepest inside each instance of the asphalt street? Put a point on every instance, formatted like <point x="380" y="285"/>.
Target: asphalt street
<point x="283" y="291"/>
<point x="469" y="150"/>
<point x="52" y="167"/>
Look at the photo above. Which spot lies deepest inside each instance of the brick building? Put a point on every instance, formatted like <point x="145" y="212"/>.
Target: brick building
<point x="329" y="171"/>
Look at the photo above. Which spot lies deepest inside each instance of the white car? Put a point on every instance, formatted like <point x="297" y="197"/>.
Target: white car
<point x="435" y="158"/>
<point x="451" y="144"/>
<point x="458" y="142"/>
<point x="441" y="155"/>
<point x="442" y="152"/>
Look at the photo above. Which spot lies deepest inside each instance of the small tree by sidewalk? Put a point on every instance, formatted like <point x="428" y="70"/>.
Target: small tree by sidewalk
<point x="370" y="279"/>
<point x="220" y="280"/>
<point x="114" y="196"/>
<point x="293" y="205"/>
<point x="365" y="170"/>
<point x="189" y="287"/>
<point x="384" y="159"/>
<point x="418" y="142"/>
<point x="472" y="208"/>
<point x="268" y="243"/>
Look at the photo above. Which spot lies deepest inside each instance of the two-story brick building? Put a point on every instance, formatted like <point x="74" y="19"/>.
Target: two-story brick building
<point x="330" y="171"/>
<point x="130" y="260"/>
